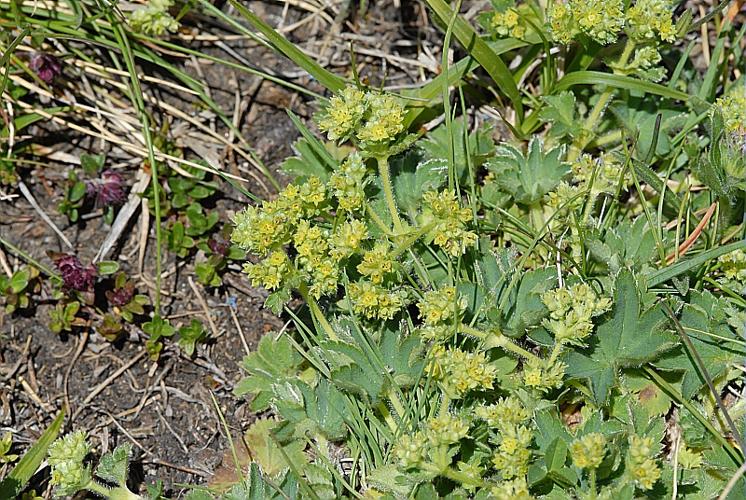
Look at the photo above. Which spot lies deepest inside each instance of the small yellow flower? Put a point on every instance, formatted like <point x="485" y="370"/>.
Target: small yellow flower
<point x="438" y="306"/>
<point x="376" y="263"/>
<point x="588" y="452"/>
<point x="641" y="464"/>
<point x="446" y="429"/>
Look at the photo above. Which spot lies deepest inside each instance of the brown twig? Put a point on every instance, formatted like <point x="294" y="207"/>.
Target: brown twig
<point x="99" y="388"/>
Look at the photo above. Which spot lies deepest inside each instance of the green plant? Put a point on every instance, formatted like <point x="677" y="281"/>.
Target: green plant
<point x="156" y="329"/>
<point x="70" y="474"/>
<point x="451" y="341"/>
<point x="190" y="335"/>
<point x="19" y="288"/>
<point x="63" y="317"/>
<point x="6" y="442"/>
<point x="219" y="252"/>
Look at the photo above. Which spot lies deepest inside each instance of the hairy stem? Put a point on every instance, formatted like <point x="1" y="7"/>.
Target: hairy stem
<point x="387" y="417"/>
<point x="392" y="396"/>
<point x="500" y="340"/>
<point x="592" y="485"/>
<point x="388" y="191"/>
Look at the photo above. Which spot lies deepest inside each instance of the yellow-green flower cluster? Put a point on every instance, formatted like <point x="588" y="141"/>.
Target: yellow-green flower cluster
<point x="369" y="117"/>
<point x="603" y="21"/>
<point x="270" y="272"/>
<point x="153" y="18"/>
<point x="428" y="448"/>
<point x="600" y="20"/>
<point x="312" y="245"/>
<point x="266" y="228"/>
<point x="513" y="454"/>
<point x="436" y="333"/>
<point x="514" y="489"/>
<point x="571" y="312"/>
<point x="601" y="174"/>
<point x="440" y="306"/>
<point x="645" y="64"/>
<point x="542" y="376"/>
<point x="65" y="456"/>
<point x="374" y="301"/>
<point x="641" y="464"/>
<point x="562" y="22"/>
<point x="348" y="183"/>
<point x="508" y="417"/>
<point x="446" y="429"/>
<point x="343" y="114"/>
<point x="383" y="121"/>
<point x="448" y="220"/>
<point x="458" y="372"/>
<point x="588" y="452"/>
<point x="733" y="108"/>
<point x="410" y="450"/>
<point x="376" y="263"/>
<point x="508" y="23"/>
<point x="651" y="19"/>
<point x="506" y="411"/>
<point x="347" y="239"/>
<point x="733" y="266"/>
<point x="561" y="203"/>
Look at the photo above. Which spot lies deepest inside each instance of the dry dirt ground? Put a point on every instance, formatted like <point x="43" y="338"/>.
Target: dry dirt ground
<point x="115" y="391"/>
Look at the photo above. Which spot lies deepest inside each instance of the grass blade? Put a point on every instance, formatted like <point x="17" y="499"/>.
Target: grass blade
<point x="14" y="483"/>
<point x="329" y="80"/>
<point x="662" y="275"/>
<point x="617" y="81"/>
<point x="456" y="72"/>
<point x="483" y="53"/>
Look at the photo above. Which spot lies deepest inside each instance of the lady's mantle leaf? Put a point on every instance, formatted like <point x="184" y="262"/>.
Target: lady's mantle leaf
<point x="528" y="178"/>
<point x="705" y="314"/>
<point x="627" y="339"/>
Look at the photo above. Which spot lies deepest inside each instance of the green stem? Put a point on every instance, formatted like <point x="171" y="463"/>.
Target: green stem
<point x="409" y="240"/>
<point x="388" y="191"/>
<point x="444" y="404"/>
<point x="452" y="474"/>
<point x="118" y="493"/>
<point x="98" y="488"/>
<point x="317" y="314"/>
<point x="597" y="112"/>
<point x="556" y="351"/>
<point x="592" y="481"/>
<point x="608" y="138"/>
<point x="122" y="493"/>
<point x="589" y="204"/>
<point x="377" y="220"/>
<point x="497" y="339"/>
